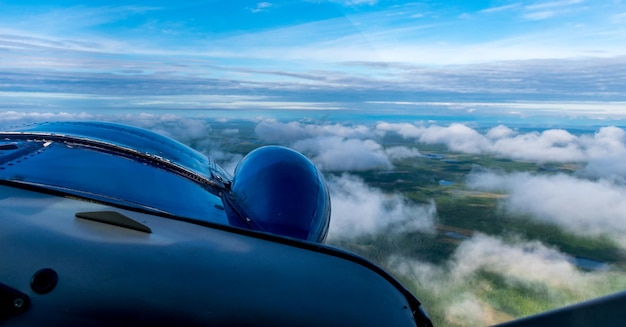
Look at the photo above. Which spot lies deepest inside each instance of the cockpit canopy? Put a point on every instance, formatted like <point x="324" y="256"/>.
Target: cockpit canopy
<point x="280" y="191"/>
<point x="274" y="190"/>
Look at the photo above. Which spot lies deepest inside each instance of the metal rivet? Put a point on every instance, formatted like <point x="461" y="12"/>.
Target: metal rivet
<point x="18" y="302"/>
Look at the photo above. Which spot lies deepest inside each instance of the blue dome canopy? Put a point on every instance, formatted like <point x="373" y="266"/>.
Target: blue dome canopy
<point x="278" y="190"/>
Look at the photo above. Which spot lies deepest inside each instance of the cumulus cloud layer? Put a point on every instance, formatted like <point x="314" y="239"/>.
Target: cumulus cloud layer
<point x="587" y="207"/>
<point x="343" y="147"/>
<point x="551" y="145"/>
<point x="334" y="153"/>
<point x="358" y="209"/>
<point x="334" y="147"/>
<point x="274" y="131"/>
<point x="555" y="145"/>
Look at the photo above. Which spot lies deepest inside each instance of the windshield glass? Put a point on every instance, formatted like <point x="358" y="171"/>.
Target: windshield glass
<point x="106" y="176"/>
<point x="129" y="137"/>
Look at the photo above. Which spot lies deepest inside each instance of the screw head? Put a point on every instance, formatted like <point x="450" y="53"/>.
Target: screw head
<point x="18" y="302"/>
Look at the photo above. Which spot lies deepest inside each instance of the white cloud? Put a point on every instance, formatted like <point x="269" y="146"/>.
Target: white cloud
<point x="260" y="7"/>
<point x="457" y="137"/>
<point x="334" y="153"/>
<point x="610" y="167"/>
<point x="281" y="133"/>
<point x="76" y="18"/>
<point x="608" y="141"/>
<point x="352" y="2"/>
<point x="553" y="4"/>
<point x="406" y="130"/>
<point x="500" y="8"/>
<point x="360" y="210"/>
<point x="332" y="147"/>
<point x="619" y="17"/>
<point x="466" y="309"/>
<point x="402" y="152"/>
<point x="528" y="261"/>
<point x="500" y="132"/>
<point x="544" y="10"/>
<point x="539" y="15"/>
<point x="285" y="133"/>
<point x="581" y="206"/>
<point x="549" y="145"/>
<point x="555" y="145"/>
<point x="467" y="300"/>
<point x="182" y="129"/>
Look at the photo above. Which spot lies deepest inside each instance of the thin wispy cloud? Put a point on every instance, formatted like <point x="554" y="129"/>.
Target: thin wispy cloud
<point x="463" y="287"/>
<point x="350" y="2"/>
<point x="500" y="8"/>
<point x="80" y="17"/>
<point x="619" y="18"/>
<point x="553" y="4"/>
<point x="552" y="9"/>
<point x="117" y="56"/>
<point x="261" y="7"/>
<point x="539" y="15"/>
<point x="400" y="30"/>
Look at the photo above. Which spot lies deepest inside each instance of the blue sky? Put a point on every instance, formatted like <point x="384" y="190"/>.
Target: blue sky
<point x="313" y="54"/>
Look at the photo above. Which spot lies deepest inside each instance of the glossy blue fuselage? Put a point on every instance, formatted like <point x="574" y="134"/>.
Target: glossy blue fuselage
<point x="276" y="190"/>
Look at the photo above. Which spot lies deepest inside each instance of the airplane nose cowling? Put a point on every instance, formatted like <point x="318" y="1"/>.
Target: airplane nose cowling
<point x="278" y="190"/>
